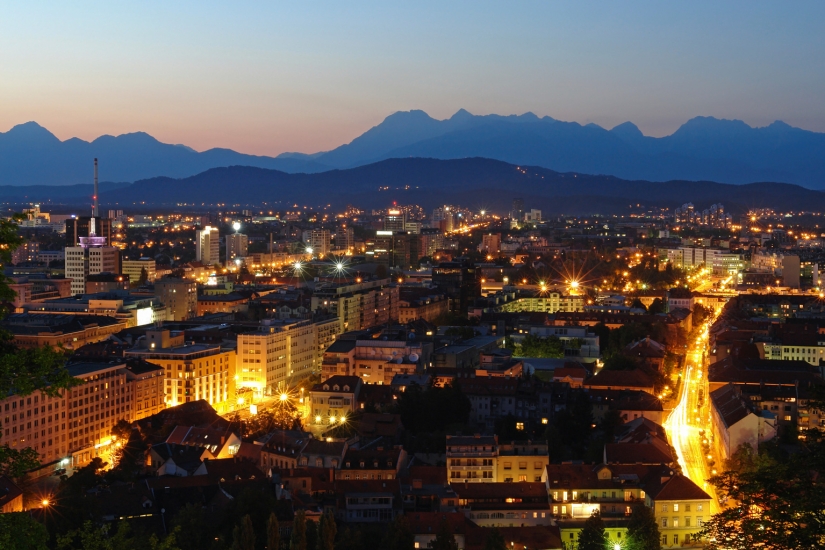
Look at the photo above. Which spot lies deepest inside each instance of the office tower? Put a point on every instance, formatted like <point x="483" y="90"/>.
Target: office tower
<point x="237" y="245"/>
<point x="179" y="295"/>
<point x="207" y="245"/>
<point x="395" y="220"/>
<point x="518" y="210"/>
<point x="81" y="226"/>
<point x="91" y="256"/>
<point x="344" y="238"/>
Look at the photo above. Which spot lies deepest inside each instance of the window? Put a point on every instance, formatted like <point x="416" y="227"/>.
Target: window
<point x="699" y="507"/>
<point x="508" y="465"/>
<point x="522" y="465"/>
<point x="675" y="507"/>
<point x="664" y="539"/>
<point x="699" y="521"/>
<point x="687" y="507"/>
<point x="664" y="522"/>
<point x="687" y="522"/>
<point x="522" y="478"/>
<point x="675" y="522"/>
<point x="664" y="507"/>
<point x="675" y="539"/>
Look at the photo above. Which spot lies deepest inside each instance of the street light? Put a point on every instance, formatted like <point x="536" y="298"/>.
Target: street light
<point x="236" y="226"/>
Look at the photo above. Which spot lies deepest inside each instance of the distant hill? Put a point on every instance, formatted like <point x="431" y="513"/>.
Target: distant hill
<point x="473" y="182"/>
<point x="704" y="148"/>
<point x="31" y="155"/>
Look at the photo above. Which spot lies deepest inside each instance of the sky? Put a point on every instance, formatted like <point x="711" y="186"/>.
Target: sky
<point x="268" y="77"/>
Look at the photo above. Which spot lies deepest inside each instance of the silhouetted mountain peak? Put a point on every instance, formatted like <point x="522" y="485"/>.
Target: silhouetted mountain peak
<point x="701" y="124"/>
<point x="30" y="132"/>
<point x="462" y="115"/>
<point x="627" y="130"/>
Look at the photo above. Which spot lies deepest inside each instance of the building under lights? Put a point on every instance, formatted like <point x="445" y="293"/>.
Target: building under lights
<point x="90" y="255"/>
<point x="207" y="245"/>
<point x="193" y="371"/>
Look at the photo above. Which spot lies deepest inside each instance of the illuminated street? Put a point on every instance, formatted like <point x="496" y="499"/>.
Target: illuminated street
<point x="687" y="419"/>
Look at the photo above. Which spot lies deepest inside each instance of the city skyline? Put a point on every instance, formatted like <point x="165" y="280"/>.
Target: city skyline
<point x="267" y="80"/>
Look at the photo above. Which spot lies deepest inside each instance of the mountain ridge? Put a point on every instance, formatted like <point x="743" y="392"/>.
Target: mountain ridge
<point x="703" y="148"/>
<point x="473" y="182"/>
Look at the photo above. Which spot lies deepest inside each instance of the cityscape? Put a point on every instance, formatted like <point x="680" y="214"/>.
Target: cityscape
<point x="478" y="332"/>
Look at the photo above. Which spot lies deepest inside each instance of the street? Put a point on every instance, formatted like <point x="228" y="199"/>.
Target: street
<point x="687" y="421"/>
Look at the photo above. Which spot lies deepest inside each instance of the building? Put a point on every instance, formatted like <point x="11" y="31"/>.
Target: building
<point x="90" y="257"/>
<point x="134" y="310"/>
<point x="135" y="269"/>
<point x="680" y="507"/>
<point x="428" y="307"/>
<point x="333" y="400"/>
<point x="26" y="252"/>
<point x="86" y="226"/>
<point x="490" y="244"/>
<point x="320" y="241"/>
<point x="180" y="296"/>
<point x="106" y="282"/>
<point x="358" y="305"/>
<point x="33" y="330"/>
<point x="394" y="249"/>
<point x="237" y="246"/>
<point x="472" y="458"/>
<point x="281" y="351"/>
<point x="11" y="497"/>
<point x="504" y="504"/>
<point x="375" y="356"/>
<point x="735" y="422"/>
<point x="35" y="289"/>
<point x="344" y="239"/>
<point x="459" y="282"/>
<point x="222" y="303"/>
<point x="193" y="371"/>
<point x="395" y="220"/>
<point x="207" y="245"/>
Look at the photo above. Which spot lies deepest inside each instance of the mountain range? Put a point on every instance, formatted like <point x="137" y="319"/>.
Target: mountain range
<point x="477" y="183"/>
<point x="704" y="148"/>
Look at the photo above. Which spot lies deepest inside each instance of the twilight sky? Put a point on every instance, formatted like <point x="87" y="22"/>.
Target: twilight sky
<point x="266" y="77"/>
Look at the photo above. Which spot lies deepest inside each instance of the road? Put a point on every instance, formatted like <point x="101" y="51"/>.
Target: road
<point x="686" y="421"/>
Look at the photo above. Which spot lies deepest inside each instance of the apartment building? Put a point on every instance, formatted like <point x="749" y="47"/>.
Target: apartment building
<point x="281" y="351"/>
<point x="358" y="305"/>
<point x="193" y="371"/>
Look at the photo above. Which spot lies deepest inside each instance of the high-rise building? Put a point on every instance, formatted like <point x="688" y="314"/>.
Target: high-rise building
<point x="84" y="226"/>
<point x="207" y="245"/>
<point x="491" y="243"/>
<point x="518" y="210"/>
<point x="395" y="220"/>
<point x="90" y="256"/>
<point x="358" y="305"/>
<point x="394" y="249"/>
<point x="237" y="245"/>
<point x="179" y="295"/>
<point x="320" y="241"/>
<point x="344" y="238"/>
<point x="459" y="281"/>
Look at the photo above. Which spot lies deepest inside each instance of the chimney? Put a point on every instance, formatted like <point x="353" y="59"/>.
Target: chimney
<point x="95" y="210"/>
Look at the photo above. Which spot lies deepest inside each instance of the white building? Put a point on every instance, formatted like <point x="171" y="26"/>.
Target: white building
<point x="207" y="245"/>
<point x="90" y="257"/>
<point x="735" y="423"/>
<point x="133" y="268"/>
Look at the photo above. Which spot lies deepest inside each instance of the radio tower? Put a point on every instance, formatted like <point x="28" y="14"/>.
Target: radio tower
<point x="95" y="211"/>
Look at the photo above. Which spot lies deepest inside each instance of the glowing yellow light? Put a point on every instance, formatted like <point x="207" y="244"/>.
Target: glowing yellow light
<point x="283" y="397"/>
<point x="574" y="284"/>
<point x="318" y="419"/>
<point x="44" y="502"/>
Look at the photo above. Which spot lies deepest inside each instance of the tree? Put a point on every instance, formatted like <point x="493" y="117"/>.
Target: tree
<point x="657" y="306"/>
<point x="327" y="531"/>
<point x="243" y="536"/>
<point x="144" y="276"/>
<point x="122" y="430"/>
<point x="298" y="541"/>
<point x="399" y="535"/>
<point x="535" y="346"/>
<point x="779" y="499"/>
<point x="273" y="533"/>
<point x="593" y="535"/>
<point x="20" y="531"/>
<point x="444" y="539"/>
<point x="23" y="371"/>
<point x="193" y="529"/>
<point x="642" y="529"/>
<point x="495" y="540"/>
